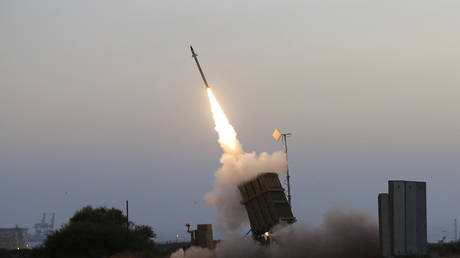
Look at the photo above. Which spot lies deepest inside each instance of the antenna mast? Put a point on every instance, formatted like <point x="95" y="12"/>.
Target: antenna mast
<point x="277" y="135"/>
<point x="127" y="217"/>
<point x="285" y="135"/>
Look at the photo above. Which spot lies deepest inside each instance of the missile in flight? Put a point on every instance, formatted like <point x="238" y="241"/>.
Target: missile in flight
<point x="194" y="55"/>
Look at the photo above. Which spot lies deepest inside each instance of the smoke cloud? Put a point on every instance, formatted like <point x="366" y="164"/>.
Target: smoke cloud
<point x="343" y="234"/>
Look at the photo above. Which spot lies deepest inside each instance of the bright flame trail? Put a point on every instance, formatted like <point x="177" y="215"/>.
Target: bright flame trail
<point x="227" y="134"/>
<point x="237" y="167"/>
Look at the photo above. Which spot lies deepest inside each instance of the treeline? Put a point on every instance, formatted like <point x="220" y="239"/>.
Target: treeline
<point x="97" y="233"/>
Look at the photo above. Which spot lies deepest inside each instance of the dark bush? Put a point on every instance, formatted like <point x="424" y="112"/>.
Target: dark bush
<point x="98" y="233"/>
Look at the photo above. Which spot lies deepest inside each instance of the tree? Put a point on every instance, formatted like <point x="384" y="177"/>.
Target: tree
<point x="99" y="232"/>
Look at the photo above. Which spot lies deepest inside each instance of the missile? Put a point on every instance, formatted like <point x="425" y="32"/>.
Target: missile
<point x="194" y="55"/>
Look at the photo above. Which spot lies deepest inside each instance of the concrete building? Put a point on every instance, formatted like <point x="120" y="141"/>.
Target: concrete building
<point x="13" y="238"/>
<point x="402" y="219"/>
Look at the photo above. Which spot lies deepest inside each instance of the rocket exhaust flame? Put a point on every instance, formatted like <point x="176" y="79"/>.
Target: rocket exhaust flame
<point x="237" y="167"/>
<point x="227" y="134"/>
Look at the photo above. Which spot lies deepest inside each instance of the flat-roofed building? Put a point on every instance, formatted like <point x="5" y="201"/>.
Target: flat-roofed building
<point x="13" y="238"/>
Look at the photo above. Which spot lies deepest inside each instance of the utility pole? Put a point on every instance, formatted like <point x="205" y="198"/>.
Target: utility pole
<point x="277" y="135"/>
<point x="455" y="229"/>
<point x="127" y="217"/>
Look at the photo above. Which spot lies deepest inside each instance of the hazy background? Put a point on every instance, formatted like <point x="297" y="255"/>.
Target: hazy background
<point x="100" y="101"/>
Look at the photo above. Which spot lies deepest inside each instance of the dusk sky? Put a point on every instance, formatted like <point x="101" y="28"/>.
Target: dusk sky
<point x="101" y="102"/>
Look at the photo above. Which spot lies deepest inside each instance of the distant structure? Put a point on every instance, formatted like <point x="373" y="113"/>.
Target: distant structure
<point x="266" y="204"/>
<point x="13" y="238"/>
<point x="402" y="219"/>
<point x="42" y="230"/>
<point x="202" y="235"/>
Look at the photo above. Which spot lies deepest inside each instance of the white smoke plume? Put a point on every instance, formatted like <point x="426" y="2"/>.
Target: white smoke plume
<point x="237" y="167"/>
